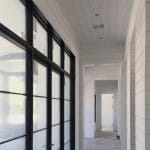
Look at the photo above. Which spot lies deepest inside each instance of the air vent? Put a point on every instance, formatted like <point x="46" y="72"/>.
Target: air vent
<point x="98" y="26"/>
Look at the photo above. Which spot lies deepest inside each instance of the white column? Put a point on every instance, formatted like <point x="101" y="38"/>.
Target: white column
<point x="123" y="107"/>
<point x="81" y="102"/>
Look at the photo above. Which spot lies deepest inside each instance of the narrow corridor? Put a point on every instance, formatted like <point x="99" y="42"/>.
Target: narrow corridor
<point x="103" y="141"/>
<point x="74" y="74"/>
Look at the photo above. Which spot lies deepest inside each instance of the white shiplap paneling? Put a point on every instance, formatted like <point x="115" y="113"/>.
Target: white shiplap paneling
<point x="114" y="14"/>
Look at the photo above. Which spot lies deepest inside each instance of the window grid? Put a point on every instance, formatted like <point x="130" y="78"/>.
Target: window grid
<point x="33" y="54"/>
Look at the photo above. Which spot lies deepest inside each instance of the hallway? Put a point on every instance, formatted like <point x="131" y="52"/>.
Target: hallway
<point x="103" y="141"/>
<point x="74" y="74"/>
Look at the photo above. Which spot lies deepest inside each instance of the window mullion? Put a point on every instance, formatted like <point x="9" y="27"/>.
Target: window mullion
<point x="62" y="99"/>
<point x="49" y="93"/>
<point x="29" y="76"/>
<point x="72" y="104"/>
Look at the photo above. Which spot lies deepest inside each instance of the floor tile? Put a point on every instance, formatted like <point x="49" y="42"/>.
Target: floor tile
<point x="103" y="141"/>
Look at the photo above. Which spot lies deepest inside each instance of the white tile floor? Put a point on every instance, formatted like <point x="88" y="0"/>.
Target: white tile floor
<point x="103" y="141"/>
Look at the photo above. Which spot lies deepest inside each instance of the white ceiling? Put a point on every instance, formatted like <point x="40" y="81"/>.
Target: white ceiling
<point x="114" y="14"/>
<point x="104" y="71"/>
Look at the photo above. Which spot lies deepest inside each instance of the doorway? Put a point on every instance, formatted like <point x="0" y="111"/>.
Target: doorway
<point x="107" y="112"/>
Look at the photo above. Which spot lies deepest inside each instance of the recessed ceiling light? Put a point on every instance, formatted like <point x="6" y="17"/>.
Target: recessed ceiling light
<point x="102" y="26"/>
<point x="97" y="14"/>
<point x="100" y="37"/>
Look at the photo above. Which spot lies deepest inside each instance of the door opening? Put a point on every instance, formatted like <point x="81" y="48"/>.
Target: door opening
<point x="107" y="112"/>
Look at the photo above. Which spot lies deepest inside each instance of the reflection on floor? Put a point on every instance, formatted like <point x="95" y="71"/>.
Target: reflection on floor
<point x="103" y="141"/>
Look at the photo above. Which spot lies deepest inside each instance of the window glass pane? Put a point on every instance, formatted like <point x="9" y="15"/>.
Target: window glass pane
<point x="40" y="38"/>
<point x="39" y="113"/>
<point x="67" y="110"/>
<point x="67" y="88"/>
<point x="40" y="79"/>
<point x="18" y="144"/>
<point x="13" y="16"/>
<point x="67" y="131"/>
<point x="55" y="85"/>
<point x="55" y="111"/>
<point x="67" y="146"/>
<point x="56" y="138"/>
<point x="67" y="62"/>
<point x="39" y="140"/>
<point x="56" y="53"/>
<point x="12" y="67"/>
<point x="12" y="116"/>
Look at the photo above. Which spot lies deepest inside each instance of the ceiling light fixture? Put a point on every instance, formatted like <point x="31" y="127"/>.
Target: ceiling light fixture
<point x="97" y="14"/>
<point x="98" y="26"/>
<point x="102" y="26"/>
<point x="100" y="37"/>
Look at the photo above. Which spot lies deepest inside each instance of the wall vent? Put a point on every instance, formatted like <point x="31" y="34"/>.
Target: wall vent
<point x="98" y="26"/>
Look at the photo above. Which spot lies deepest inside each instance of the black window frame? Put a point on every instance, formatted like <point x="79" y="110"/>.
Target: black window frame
<point x="33" y="54"/>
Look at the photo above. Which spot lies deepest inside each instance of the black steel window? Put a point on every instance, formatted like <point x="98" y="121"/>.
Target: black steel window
<point x="37" y="82"/>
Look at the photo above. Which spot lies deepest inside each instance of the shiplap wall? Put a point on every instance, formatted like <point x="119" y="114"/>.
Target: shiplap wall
<point x="139" y="22"/>
<point x="114" y="14"/>
<point x="140" y="77"/>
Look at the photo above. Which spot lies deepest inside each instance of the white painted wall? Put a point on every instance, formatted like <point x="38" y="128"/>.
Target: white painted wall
<point x="139" y="22"/>
<point x="106" y="86"/>
<point x="89" y="124"/>
<point x="140" y="77"/>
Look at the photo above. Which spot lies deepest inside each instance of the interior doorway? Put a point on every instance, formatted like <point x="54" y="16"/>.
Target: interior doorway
<point x="107" y="112"/>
